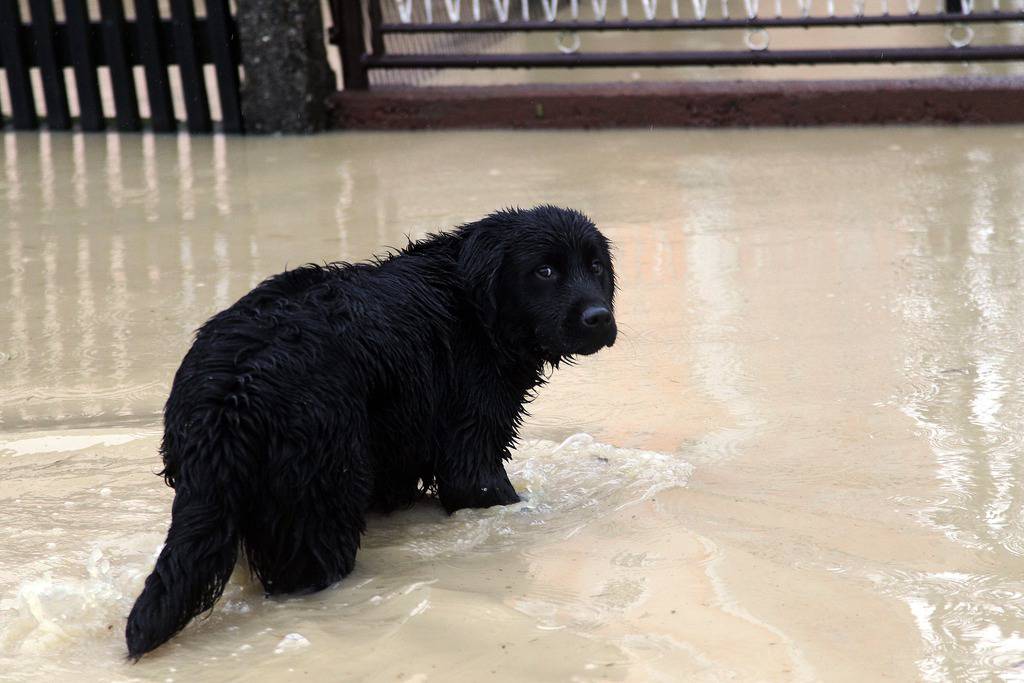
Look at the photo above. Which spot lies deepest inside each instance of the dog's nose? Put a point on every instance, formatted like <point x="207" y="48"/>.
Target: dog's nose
<point x="596" y="316"/>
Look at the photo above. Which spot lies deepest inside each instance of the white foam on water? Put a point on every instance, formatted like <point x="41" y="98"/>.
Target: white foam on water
<point x="73" y="599"/>
<point x="48" y="613"/>
<point x="565" y="486"/>
<point x="291" y="642"/>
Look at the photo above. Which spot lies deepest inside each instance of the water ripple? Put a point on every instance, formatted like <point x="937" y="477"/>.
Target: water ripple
<point x="972" y="624"/>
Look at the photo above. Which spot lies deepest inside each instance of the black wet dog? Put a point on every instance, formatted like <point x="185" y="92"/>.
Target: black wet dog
<point x="329" y="391"/>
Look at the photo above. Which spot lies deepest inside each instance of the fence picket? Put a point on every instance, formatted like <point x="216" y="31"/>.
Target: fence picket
<point x="154" y="62"/>
<point x="55" y="88"/>
<point x="83" y="59"/>
<point x="12" y="49"/>
<point x="126" y="101"/>
<point x="224" y="47"/>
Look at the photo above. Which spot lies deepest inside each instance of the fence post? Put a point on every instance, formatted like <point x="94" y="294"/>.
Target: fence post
<point x="348" y="33"/>
<point x="287" y="78"/>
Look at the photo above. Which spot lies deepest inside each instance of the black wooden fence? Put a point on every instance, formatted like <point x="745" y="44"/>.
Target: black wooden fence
<point x="86" y="43"/>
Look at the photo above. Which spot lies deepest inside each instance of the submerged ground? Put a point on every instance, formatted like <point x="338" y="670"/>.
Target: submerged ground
<point x="800" y="462"/>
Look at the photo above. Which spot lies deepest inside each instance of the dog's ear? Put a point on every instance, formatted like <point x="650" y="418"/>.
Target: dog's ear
<point x="480" y="259"/>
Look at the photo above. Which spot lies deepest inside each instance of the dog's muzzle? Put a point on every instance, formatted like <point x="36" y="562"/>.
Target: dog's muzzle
<point x="597" y="329"/>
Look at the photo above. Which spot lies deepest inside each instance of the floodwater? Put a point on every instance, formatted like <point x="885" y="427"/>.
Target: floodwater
<point x="800" y="462"/>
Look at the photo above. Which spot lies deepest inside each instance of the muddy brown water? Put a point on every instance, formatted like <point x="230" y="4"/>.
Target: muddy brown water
<point x="800" y="462"/>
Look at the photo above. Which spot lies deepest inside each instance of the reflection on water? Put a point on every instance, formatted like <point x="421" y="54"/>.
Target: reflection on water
<point x="964" y="316"/>
<point x="970" y="623"/>
<point x="80" y="204"/>
<point x="827" y="324"/>
<point x="50" y="611"/>
<point x="154" y="228"/>
<point x="714" y="262"/>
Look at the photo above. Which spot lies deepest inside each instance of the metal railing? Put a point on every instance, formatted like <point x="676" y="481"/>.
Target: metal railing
<point x="367" y="35"/>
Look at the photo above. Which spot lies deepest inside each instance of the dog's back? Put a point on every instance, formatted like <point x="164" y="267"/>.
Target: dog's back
<point x="285" y="374"/>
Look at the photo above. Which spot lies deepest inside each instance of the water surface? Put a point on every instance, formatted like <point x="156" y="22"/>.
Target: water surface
<point x="800" y="462"/>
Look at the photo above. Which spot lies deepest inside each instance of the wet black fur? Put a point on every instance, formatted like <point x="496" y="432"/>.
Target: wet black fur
<point x="331" y="390"/>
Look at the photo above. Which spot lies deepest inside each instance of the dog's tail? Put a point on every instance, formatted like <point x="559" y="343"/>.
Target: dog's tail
<point x="191" y="572"/>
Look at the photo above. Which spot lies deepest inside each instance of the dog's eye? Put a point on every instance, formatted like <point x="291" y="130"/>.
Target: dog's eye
<point x="544" y="272"/>
<point x="596" y="267"/>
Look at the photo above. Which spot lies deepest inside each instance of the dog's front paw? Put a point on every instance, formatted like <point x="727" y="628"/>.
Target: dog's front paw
<point x="502" y="493"/>
<point x="481" y="495"/>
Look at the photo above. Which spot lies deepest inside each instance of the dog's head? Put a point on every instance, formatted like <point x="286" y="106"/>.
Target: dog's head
<point x="541" y="280"/>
